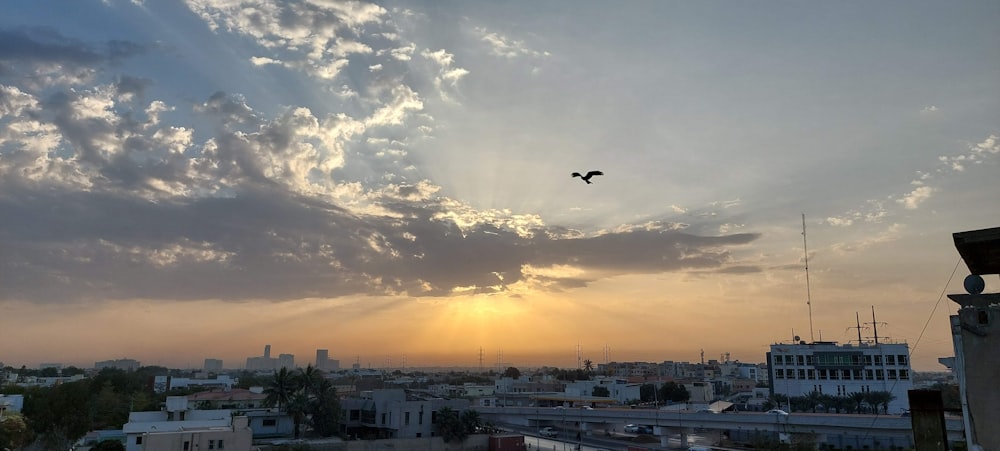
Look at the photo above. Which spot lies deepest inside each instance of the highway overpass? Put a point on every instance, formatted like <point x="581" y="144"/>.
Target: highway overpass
<point x="841" y="430"/>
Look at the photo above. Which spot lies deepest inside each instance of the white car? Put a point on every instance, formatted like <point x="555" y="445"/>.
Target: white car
<point x="777" y="412"/>
<point x="548" y="432"/>
<point x="631" y="428"/>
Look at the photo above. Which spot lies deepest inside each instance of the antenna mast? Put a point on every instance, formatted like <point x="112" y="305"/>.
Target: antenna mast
<point x="805" y="249"/>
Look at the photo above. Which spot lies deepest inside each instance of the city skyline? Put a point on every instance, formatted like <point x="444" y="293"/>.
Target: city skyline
<point x="394" y="177"/>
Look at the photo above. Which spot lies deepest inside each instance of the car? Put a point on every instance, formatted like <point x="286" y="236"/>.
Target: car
<point x="707" y="411"/>
<point x="631" y="428"/>
<point x="559" y="407"/>
<point x="548" y="432"/>
<point x="778" y="412"/>
<point x="643" y="429"/>
<point x="586" y="408"/>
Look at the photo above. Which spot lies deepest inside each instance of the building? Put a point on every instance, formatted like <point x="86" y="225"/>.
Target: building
<point x="214" y="365"/>
<point x="975" y="329"/>
<point x="162" y="384"/>
<point x="181" y="428"/>
<point x="394" y="413"/>
<point x="268" y="363"/>
<point x="324" y="362"/>
<point x="798" y="369"/>
<point x="121" y="364"/>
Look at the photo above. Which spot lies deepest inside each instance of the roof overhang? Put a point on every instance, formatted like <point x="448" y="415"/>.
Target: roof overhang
<point x="980" y="249"/>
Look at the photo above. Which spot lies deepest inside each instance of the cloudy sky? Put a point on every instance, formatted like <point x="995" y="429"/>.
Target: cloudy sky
<point x="182" y="180"/>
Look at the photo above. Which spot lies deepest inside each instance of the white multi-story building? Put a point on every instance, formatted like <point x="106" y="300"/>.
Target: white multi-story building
<point x="839" y="370"/>
<point x="180" y="428"/>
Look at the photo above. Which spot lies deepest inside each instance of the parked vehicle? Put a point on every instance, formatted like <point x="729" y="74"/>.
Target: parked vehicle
<point x="778" y="412"/>
<point x="631" y="428"/>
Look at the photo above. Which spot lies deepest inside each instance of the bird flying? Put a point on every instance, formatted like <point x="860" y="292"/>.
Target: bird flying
<point x="587" y="177"/>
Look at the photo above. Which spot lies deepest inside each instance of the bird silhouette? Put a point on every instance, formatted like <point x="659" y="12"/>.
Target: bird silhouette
<point x="587" y="177"/>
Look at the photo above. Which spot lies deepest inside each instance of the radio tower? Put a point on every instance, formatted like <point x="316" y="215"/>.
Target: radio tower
<point x="805" y="249"/>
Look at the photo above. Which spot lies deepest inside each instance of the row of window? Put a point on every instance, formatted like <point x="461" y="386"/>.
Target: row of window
<point x="840" y="360"/>
<point x="842" y="389"/>
<point x="857" y="375"/>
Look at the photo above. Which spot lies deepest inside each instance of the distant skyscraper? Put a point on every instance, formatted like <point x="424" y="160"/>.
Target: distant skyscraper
<point x="286" y="361"/>
<point x="213" y="365"/>
<point x="267" y="351"/>
<point x="322" y="355"/>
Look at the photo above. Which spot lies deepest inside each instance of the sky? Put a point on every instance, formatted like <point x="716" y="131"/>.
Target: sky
<point x="183" y="180"/>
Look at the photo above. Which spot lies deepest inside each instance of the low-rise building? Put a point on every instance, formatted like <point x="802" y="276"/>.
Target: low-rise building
<point x="181" y="428"/>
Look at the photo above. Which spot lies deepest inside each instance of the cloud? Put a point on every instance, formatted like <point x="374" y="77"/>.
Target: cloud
<point x="914" y="198"/>
<point x="106" y="202"/>
<point x="929" y="109"/>
<point x="506" y="47"/>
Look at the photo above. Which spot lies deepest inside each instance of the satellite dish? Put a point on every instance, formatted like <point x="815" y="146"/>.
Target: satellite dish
<point x="797" y="338"/>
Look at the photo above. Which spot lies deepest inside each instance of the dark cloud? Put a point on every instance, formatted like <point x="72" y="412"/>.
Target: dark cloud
<point x="33" y="46"/>
<point x="269" y="243"/>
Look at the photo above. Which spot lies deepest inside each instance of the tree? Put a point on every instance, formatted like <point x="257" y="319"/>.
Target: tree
<point x="297" y="407"/>
<point x="857" y="401"/>
<point x="280" y="389"/>
<point x="449" y="425"/>
<point x="14" y="431"/>
<point x="601" y="390"/>
<point x="647" y="392"/>
<point x="674" y="392"/>
<point x="588" y="365"/>
<point x="512" y="372"/>
<point x="325" y="409"/>
<point x="471" y="422"/>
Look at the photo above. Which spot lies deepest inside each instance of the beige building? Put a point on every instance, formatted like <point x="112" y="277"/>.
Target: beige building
<point x="179" y="428"/>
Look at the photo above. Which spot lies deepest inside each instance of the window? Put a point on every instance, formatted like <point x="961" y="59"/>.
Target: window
<point x="211" y="444"/>
<point x="779" y="359"/>
<point x="810" y="374"/>
<point x="890" y="360"/>
<point x="779" y="374"/>
<point x="383" y="418"/>
<point x="355" y="414"/>
<point x="878" y="359"/>
<point x="222" y="445"/>
<point x="270" y="422"/>
<point x="801" y="360"/>
<point x="187" y="446"/>
<point x="869" y="374"/>
<point x="406" y="418"/>
<point x="868" y="360"/>
<point x="892" y="374"/>
<point x="835" y="374"/>
<point x="822" y="374"/>
<point x="138" y="440"/>
<point x="810" y="360"/>
<point x="904" y="375"/>
<point x="901" y="359"/>
<point x="879" y="375"/>
<point x="802" y="374"/>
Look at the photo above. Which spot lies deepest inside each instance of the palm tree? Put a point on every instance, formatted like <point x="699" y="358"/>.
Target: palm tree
<point x="280" y="389"/>
<point x="588" y="365"/>
<point x="309" y="378"/>
<point x="325" y="409"/>
<point x="858" y="400"/>
<point x="297" y="407"/>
